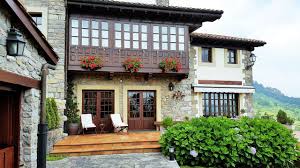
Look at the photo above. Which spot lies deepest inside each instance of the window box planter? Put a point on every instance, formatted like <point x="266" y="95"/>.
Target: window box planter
<point x="170" y="64"/>
<point x="91" y="62"/>
<point x="133" y="64"/>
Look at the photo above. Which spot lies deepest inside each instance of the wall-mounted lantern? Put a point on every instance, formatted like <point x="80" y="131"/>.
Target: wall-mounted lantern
<point x="171" y="86"/>
<point x="251" y="60"/>
<point x="15" y="43"/>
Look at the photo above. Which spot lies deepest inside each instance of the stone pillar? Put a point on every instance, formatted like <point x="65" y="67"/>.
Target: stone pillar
<point x="29" y="120"/>
<point x="248" y="81"/>
<point x="162" y="2"/>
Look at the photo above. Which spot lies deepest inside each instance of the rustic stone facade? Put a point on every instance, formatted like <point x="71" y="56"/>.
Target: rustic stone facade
<point x="248" y="98"/>
<point x="28" y="65"/>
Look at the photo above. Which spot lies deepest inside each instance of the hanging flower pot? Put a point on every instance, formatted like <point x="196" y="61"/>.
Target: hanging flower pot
<point x="133" y="64"/>
<point x="170" y="64"/>
<point x="91" y="62"/>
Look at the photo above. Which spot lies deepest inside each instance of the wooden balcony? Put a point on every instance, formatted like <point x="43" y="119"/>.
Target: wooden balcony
<point x="114" y="58"/>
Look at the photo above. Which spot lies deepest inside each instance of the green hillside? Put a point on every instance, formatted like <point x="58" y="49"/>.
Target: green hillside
<point x="269" y="101"/>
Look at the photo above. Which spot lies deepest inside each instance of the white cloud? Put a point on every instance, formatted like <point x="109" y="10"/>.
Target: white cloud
<point x="274" y="21"/>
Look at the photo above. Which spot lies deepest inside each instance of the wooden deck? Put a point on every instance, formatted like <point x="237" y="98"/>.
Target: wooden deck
<point x="104" y="144"/>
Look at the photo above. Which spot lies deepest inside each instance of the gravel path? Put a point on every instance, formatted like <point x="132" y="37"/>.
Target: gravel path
<point x="146" y="160"/>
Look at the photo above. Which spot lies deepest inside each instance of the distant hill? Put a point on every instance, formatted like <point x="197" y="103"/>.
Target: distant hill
<point x="270" y="100"/>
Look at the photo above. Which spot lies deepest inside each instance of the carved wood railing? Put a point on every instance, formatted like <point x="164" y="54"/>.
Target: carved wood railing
<point x="114" y="58"/>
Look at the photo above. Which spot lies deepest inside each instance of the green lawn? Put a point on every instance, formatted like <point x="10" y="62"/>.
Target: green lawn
<point x="55" y="157"/>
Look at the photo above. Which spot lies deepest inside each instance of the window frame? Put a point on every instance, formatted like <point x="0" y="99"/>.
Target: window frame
<point x="230" y="57"/>
<point x="220" y="104"/>
<point x="209" y="56"/>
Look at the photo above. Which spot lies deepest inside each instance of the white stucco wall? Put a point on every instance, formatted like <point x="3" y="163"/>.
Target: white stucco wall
<point x="219" y="69"/>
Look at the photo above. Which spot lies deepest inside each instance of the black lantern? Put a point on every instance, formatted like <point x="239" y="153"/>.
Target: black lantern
<point x="15" y="43"/>
<point x="251" y="60"/>
<point x="171" y="86"/>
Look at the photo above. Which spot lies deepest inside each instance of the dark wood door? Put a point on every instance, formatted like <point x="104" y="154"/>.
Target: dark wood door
<point x="99" y="103"/>
<point x="9" y="124"/>
<point x="141" y="110"/>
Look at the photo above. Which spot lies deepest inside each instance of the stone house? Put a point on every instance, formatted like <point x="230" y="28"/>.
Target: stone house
<point x="20" y="85"/>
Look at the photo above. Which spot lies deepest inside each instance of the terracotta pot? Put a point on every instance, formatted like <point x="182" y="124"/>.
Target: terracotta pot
<point x="73" y="128"/>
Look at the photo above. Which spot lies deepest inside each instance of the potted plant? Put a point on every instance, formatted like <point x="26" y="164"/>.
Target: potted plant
<point x="91" y="62"/>
<point x="72" y="111"/>
<point x="170" y="64"/>
<point x="132" y="64"/>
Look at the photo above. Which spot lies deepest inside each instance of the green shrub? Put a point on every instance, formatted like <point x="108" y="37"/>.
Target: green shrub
<point x="167" y="122"/>
<point x="282" y="117"/>
<point x="290" y="121"/>
<point x="71" y="105"/>
<point x="223" y="142"/>
<point x="52" y="116"/>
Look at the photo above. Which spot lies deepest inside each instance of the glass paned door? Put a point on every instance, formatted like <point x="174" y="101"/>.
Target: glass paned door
<point x="141" y="110"/>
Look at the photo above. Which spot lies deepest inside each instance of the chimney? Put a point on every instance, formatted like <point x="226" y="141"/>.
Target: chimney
<point x="162" y="2"/>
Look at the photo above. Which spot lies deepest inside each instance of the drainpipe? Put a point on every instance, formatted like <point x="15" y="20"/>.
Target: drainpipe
<point x="43" y="126"/>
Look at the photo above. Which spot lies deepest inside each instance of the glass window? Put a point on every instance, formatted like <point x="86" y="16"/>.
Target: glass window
<point x="232" y="59"/>
<point x="206" y="55"/>
<point x="135" y="36"/>
<point x="118" y="35"/>
<point x="74" y="29"/>
<point x="181" y="39"/>
<point x="95" y="33"/>
<point x="37" y="18"/>
<point x="127" y="39"/>
<point x="144" y="37"/>
<point x="85" y="32"/>
<point x="220" y="104"/>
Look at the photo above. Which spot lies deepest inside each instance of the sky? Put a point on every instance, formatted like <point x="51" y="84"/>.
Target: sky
<point x="275" y="21"/>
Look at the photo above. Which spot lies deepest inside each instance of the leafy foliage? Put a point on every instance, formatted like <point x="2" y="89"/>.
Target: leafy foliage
<point x="223" y="142"/>
<point x="52" y="116"/>
<point x="170" y="64"/>
<point x="71" y="105"/>
<point x="167" y="122"/>
<point x="133" y="64"/>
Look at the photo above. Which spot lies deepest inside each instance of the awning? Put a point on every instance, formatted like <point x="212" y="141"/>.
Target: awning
<point x="224" y="89"/>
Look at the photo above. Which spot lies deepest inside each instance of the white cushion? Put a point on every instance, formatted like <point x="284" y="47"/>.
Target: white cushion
<point x="116" y="120"/>
<point x="87" y="121"/>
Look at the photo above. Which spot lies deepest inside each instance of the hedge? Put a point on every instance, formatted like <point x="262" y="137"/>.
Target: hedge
<point x="52" y="116"/>
<point x="223" y="142"/>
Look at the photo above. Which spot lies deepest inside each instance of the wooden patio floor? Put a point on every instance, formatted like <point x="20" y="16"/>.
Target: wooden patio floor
<point x="113" y="143"/>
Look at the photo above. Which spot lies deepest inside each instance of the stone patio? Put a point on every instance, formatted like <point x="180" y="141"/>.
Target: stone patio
<point x="146" y="160"/>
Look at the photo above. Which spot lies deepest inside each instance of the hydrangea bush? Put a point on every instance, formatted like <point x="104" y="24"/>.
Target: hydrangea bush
<point x="223" y="142"/>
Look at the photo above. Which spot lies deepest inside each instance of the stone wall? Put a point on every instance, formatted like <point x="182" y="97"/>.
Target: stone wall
<point x="248" y="98"/>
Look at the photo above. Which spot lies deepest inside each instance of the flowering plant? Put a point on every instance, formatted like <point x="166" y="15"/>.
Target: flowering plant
<point x="133" y="64"/>
<point x="170" y="64"/>
<point x="91" y="62"/>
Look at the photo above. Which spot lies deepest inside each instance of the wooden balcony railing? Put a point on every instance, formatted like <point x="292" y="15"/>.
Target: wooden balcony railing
<point x="113" y="59"/>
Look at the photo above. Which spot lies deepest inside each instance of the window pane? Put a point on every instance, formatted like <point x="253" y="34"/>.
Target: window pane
<point x="85" y="33"/>
<point x="181" y="31"/>
<point x="104" y="42"/>
<point x="135" y="28"/>
<point x="164" y="30"/>
<point x="156" y="37"/>
<point x="118" y="43"/>
<point x="127" y="36"/>
<point x="85" y="24"/>
<point x="155" y="29"/>
<point x="144" y="45"/>
<point x="74" y="32"/>
<point x="156" y="46"/>
<point x="74" y="23"/>
<point x="126" y="27"/>
<point x="181" y="47"/>
<point x="135" y="36"/>
<point x="144" y="37"/>
<point x="74" y="40"/>
<point x="104" y="34"/>
<point x="165" y="38"/>
<point x="118" y="35"/>
<point x="173" y="38"/>
<point x="104" y="25"/>
<point x="135" y="44"/>
<point x="173" y="46"/>
<point x="95" y="33"/>
<point x="181" y="39"/>
<point x="126" y="44"/>
<point x="95" y="25"/>
<point x="118" y="26"/>
<point x="144" y="28"/>
<point x="165" y="46"/>
<point x="85" y="41"/>
<point x="39" y="20"/>
<point x="172" y="30"/>
<point x="95" y="42"/>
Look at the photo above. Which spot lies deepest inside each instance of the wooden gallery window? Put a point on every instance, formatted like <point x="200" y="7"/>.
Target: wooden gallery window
<point x="232" y="56"/>
<point x="220" y="104"/>
<point x="172" y="38"/>
<point x="206" y="55"/>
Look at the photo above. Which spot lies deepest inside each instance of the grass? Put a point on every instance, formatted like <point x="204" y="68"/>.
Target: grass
<point x="55" y="157"/>
<point x="191" y="167"/>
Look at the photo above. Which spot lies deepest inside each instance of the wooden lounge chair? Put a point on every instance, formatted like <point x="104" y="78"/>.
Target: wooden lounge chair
<point x="117" y="122"/>
<point x="87" y="122"/>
